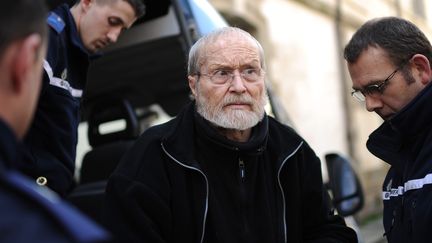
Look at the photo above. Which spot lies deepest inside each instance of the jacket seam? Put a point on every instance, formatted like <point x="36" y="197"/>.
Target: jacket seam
<point x="207" y="187"/>
<point x="281" y="188"/>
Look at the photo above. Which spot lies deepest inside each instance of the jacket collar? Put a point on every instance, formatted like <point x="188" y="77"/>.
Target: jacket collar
<point x="412" y="120"/>
<point x="8" y="147"/>
<point x="180" y="138"/>
<point x="71" y="27"/>
<point x="255" y="145"/>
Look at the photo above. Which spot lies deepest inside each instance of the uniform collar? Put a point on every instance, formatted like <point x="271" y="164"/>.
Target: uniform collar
<point x="8" y="146"/>
<point x="411" y="121"/>
<point x="415" y="116"/>
<point x="71" y="27"/>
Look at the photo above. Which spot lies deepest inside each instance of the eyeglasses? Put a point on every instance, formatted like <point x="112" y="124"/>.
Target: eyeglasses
<point x="222" y="76"/>
<point x="360" y="94"/>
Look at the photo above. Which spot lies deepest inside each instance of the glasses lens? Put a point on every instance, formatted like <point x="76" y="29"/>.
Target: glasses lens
<point x="373" y="89"/>
<point x="358" y="95"/>
<point x="223" y="76"/>
<point x="220" y="76"/>
<point x="251" y="74"/>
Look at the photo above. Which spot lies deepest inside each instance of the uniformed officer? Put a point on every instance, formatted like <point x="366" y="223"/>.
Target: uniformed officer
<point x="75" y="35"/>
<point x="28" y="213"/>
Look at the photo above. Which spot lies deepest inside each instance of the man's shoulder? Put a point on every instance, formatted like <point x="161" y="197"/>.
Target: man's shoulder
<point x="156" y="133"/>
<point x="59" y="18"/>
<point x="277" y="127"/>
<point x="283" y="137"/>
<point x="19" y="198"/>
<point x="56" y="22"/>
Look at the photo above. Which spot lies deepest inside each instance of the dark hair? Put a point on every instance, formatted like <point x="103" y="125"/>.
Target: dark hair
<point x="400" y="38"/>
<point x="137" y="5"/>
<point x="21" y="18"/>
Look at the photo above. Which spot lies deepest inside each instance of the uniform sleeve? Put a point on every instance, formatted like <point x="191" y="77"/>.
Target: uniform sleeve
<point x="321" y="224"/>
<point x="48" y="153"/>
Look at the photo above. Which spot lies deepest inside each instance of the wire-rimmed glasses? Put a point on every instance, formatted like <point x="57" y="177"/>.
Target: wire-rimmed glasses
<point x="360" y="94"/>
<point x="222" y="76"/>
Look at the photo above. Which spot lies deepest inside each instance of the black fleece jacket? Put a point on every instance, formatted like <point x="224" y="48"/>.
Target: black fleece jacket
<point x="161" y="192"/>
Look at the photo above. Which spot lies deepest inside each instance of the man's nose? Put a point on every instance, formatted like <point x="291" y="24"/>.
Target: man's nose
<point x="113" y="34"/>
<point x="237" y="83"/>
<point x="372" y="103"/>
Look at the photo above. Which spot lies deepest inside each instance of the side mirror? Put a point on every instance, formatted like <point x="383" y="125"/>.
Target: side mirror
<point x="344" y="185"/>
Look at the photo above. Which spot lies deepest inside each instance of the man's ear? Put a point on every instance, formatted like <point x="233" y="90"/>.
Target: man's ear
<point x="192" y="83"/>
<point x="86" y="4"/>
<point x="422" y="65"/>
<point x="24" y="60"/>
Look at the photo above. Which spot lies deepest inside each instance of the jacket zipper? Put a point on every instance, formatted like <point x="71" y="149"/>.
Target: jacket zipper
<point x="242" y="170"/>
<point x="207" y="188"/>
<point x="281" y="188"/>
<point x="243" y="198"/>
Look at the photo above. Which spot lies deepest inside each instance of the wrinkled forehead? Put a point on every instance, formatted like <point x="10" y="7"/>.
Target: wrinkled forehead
<point x="231" y="49"/>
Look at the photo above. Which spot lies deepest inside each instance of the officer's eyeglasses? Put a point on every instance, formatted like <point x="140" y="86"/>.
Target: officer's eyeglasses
<point x="360" y="94"/>
<point x="223" y="76"/>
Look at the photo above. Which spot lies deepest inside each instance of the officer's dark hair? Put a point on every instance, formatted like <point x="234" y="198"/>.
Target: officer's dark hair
<point x="137" y="5"/>
<point x="400" y="38"/>
<point x="21" y="18"/>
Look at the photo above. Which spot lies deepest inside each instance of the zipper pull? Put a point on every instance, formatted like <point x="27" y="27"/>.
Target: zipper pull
<point x="242" y="168"/>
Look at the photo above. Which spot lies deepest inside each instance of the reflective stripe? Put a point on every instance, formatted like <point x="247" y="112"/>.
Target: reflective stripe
<point x="393" y="192"/>
<point x="409" y="185"/>
<point x="418" y="183"/>
<point x="61" y="83"/>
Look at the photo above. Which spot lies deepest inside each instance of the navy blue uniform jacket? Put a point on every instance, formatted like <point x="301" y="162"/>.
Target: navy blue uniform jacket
<point x="50" y="145"/>
<point x="405" y="142"/>
<point x="30" y="213"/>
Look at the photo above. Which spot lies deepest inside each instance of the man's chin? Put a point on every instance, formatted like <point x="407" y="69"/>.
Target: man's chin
<point x="92" y="49"/>
<point x="386" y="117"/>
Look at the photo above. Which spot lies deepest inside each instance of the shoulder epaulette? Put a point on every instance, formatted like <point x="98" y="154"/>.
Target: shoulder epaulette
<point x="56" y="22"/>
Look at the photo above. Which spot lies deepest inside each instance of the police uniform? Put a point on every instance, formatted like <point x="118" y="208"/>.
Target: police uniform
<point x="405" y="142"/>
<point x="34" y="214"/>
<point x="50" y="145"/>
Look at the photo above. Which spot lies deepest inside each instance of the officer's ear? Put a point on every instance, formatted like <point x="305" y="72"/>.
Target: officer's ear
<point x="422" y="68"/>
<point x="86" y="4"/>
<point x="24" y="58"/>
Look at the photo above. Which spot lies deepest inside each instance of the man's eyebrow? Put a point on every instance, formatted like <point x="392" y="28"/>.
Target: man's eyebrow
<point x="119" y="21"/>
<point x="372" y="82"/>
<point x="219" y="65"/>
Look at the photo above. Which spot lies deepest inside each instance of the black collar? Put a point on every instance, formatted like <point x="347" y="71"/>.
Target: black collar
<point x="255" y="145"/>
<point x="8" y="146"/>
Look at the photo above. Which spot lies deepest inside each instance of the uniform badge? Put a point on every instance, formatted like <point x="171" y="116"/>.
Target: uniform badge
<point x="64" y="74"/>
<point x="56" y="22"/>
<point x="389" y="185"/>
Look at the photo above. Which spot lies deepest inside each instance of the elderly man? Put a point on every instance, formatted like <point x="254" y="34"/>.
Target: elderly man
<point x="389" y="60"/>
<point x="75" y="35"/>
<point x="28" y="213"/>
<point x="222" y="170"/>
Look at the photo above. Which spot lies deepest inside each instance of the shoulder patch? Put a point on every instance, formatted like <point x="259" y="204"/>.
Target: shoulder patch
<point x="56" y="22"/>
